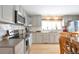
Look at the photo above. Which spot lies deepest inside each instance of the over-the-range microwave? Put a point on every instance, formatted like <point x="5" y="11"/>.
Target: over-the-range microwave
<point x="19" y="19"/>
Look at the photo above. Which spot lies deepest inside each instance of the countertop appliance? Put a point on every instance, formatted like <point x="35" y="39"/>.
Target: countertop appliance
<point x="13" y="34"/>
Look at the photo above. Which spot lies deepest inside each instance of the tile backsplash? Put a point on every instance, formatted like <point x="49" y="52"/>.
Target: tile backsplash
<point x="10" y="27"/>
<point x="4" y="27"/>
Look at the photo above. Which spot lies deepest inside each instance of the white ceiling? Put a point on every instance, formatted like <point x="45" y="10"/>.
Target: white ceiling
<point x="50" y="10"/>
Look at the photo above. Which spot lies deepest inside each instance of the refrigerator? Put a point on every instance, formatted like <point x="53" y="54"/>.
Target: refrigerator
<point x="71" y="26"/>
<point x="76" y="25"/>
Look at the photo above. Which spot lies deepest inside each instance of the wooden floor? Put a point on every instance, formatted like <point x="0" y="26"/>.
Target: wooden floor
<point x="44" y="49"/>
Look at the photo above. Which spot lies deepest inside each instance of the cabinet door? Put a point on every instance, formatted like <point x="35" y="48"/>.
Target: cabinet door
<point x="0" y="12"/>
<point x="36" y="21"/>
<point x="16" y="7"/>
<point x="26" y="19"/>
<point x="56" y="37"/>
<point x="45" y="38"/>
<point x="51" y="40"/>
<point x="19" y="49"/>
<point x="34" y="37"/>
<point x="39" y="37"/>
<point x="21" y="10"/>
<point x="8" y="13"/>
<point x="29" y="20"/>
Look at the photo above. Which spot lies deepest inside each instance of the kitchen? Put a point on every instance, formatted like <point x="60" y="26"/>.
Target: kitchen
<point x="15" y="37"/>
<point x="27" y="29"/>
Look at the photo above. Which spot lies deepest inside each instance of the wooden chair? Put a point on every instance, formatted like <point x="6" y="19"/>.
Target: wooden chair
<point x="65" y="45"/>
<point x="75" y="47"/>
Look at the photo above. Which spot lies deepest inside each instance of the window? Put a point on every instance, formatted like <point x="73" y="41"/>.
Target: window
<point x="51" y="25"/>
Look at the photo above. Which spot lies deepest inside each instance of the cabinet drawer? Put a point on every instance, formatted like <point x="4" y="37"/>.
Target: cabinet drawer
<point x="6" y="51"/>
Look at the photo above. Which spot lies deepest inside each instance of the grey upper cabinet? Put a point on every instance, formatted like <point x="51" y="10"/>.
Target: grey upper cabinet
<point x="36" y="21"/>
<point x="20" y="10"/>
<point x="16" y="7"/>
<point x="24" y="14"/>
<point x="25" y="19"/>
<point x="29" y="20"/>
<point x="8" y="13"/>
<point x="0" y="12"/>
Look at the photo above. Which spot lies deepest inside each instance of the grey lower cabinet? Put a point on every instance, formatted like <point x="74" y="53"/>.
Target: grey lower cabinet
<point x="45" y="38"/>
<point x="39" y="37"/>
<point x="8" y="13"/>
<point x="33" y="37"/>
<point x="56" y="35"/>
<point x="18" y="49"/>
<point x="51" y="38"/>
